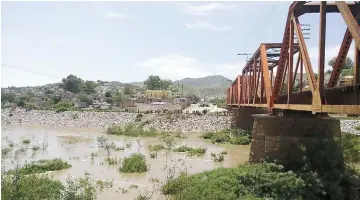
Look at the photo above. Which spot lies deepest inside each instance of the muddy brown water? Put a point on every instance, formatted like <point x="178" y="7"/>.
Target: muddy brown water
<point x="75" y="145"/>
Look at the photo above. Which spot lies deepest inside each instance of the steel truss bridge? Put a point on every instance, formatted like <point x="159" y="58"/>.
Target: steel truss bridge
<point x="268" y="78"/>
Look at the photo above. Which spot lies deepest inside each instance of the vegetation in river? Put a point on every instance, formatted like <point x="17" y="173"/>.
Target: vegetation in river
<point x="112" y="161"/>
<point x="42" y="166"/>
<point x="5" y="151"/>
<point x="26" y="141"/>
<point x="136" y="163"/>
<point x="233" y="136"/>
<point x="35" y="147"/>
<point x="217" y="157"/>
<point x="156" y="147"/>
<point x="317" y="174"/>
<point x="104" y="184"/>
<point x="153" y="154"/>
<point x="19" y="186"/>
<point x="223" y="152"/>
<point x="190" y="151"/>
<point x="236" y="183"/>
<point x="11" y="144"/>
<point x="132" y="131"/>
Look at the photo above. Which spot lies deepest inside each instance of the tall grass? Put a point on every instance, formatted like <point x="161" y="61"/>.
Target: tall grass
<point x="233" y="136"/>
<point x="190" y="151"/>
<point x="42" y="166"/>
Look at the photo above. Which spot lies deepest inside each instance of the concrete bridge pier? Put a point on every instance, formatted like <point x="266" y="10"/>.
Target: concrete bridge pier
<point x="243" y="119"/>
<point x="277" y="137"/>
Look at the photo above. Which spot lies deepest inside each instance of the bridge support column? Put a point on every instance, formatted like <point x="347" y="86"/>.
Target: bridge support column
<point x="243" y="119"/>
<point x="278" y="137"/>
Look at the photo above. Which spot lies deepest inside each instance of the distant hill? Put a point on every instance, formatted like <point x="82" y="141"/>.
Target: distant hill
<point x="209" y="86"/>
<point x="207" y="81"/>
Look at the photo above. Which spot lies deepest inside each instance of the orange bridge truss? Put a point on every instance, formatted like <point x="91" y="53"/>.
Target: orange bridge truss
<point x="269" y="79"/>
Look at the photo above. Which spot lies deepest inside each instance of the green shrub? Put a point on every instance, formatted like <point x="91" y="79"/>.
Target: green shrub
<point x="233" y="136"/>
<point x="153" y="155"/>
<point x="136" y="163"/>
<point x="350" y="145"/>
<point x="30" y="187"/>
<point x="138" y="117"/>
<point x="321" y="166"/>
<point x="240" y="140"/>
<point x="5" y="151"/>
<point x="217" y="158"/>
<point x="79" y="189"/>
<point x="34" y="187"/>
<point x="132" y="131"/>
<point x="42" y="166"/>
<point x="357" y="128"/>
<point x="259" y="180"/>
<point x="35" y="147"/>
<point x="190" y="150"/>
<point x="157" y="147"/>
<point x="26" y="141"/>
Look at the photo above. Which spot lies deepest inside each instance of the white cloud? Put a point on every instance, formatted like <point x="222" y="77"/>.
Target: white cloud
<point x="205" y="9"/>
<point x="115" y="15"/>
<point x="205" y="25"/>
<point x="178" y="66"/>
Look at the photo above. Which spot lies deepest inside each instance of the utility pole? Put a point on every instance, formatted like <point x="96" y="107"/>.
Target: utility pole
<point x="245" y="54"/>
<point x="182" y="89"/>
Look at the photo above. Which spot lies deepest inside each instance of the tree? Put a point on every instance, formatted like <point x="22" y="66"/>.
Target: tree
<point x="56" y="99"/>
<point x="48" y="92"/>
<point x="165" y="84"/>
<point x="107" y="94"/>
<point x="193" y="98"/>
<point x="346" y="69"/>
<point x="153" y="83"/>
<point x="127" y="90"/>
<point x="84" y="98"/>
<point x="109" y="100"/>
<point x="7" y="97"/>
<point x="348" y="64"/>
<point x="89" y="87"/>
<point x="72" y="83"/>
<point x="118" y="99"/>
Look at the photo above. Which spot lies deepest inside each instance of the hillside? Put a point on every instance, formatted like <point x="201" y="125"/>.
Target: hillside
<point x="209" y="86"/>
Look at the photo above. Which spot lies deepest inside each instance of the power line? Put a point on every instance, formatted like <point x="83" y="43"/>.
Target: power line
<point x="31" y="71"/>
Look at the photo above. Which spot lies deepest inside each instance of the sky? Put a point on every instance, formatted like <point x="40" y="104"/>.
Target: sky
<point x="44" y="42"/>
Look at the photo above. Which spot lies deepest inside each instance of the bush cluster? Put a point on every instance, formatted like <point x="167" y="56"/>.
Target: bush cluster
<point x="42" y="166"/>
<point x="319" y="173"/>
<point x="190" y="151"/>
<point x="233" y="136"/>
<point x="42" y="187"/>
<point x="132" y="131"/>
<point x="136" y="163"/>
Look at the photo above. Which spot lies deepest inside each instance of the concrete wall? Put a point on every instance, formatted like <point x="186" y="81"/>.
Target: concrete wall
<point x="278" y="137"/>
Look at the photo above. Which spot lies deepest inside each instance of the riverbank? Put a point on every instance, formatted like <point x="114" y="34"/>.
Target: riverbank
<point x="88" y="119"/>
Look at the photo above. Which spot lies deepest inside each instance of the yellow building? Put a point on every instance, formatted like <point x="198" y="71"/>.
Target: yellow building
<point x="158" y="94"/>
<point x="347" y="80"/>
